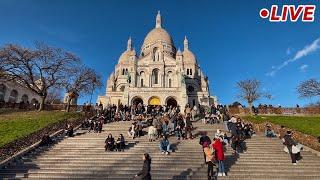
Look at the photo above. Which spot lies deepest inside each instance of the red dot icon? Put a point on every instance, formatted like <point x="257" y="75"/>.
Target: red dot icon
<point x="264" y="13"/>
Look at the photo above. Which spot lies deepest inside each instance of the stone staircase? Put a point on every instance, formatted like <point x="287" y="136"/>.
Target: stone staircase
<point x="265" y="159"/>
<point x="83" y="157"/>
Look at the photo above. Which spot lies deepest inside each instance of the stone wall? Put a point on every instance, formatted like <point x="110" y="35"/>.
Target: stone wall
<point x="314" y="110"/>
<point x="20" y="144"/>
<point x="304" y="139"/>
<point x="31" y="107"/>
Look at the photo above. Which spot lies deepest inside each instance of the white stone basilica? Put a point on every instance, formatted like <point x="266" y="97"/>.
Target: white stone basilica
<point x="160" y="75"/>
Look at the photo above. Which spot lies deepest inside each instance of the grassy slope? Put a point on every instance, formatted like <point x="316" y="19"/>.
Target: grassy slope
<point x="308" y="125"/>
<point x="14" y="125"/>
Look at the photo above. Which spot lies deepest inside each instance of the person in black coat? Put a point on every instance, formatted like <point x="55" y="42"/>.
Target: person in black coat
<point x="289" y="142"/>
<point x="144" y="174"/>
<point x="109" y="143"/>
<point x="69" y="130"/>
<point x="120" y="144"/>
<point x="46" y="140"/>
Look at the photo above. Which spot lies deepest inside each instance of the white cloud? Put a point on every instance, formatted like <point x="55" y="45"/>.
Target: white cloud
<point x="314" y="46"/>
<point x="304" y="68"/>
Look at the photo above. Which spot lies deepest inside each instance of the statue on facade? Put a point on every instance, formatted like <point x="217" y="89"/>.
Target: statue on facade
<point x="183" y="79"/>
<point x="128" y="78"/>
<point x="157" y="55"/>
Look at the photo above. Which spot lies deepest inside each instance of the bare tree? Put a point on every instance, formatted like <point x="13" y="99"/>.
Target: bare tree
<point x="54" y="96"/>
<point x="38" y="69"/>
<point x="250" y="91"/>
<point x="82" y="82"/>
<point x="309" y="88"/>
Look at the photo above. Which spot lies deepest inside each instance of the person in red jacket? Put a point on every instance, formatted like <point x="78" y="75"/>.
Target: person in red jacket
<point x="218" y="147"/>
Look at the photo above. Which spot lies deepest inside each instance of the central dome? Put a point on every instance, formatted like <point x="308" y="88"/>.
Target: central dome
<point x="157" y="34"/>
<point x="158" y="38"/>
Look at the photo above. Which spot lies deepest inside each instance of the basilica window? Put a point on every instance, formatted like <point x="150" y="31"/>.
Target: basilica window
<point x="142" y="79"/>
<point x="25" y="98"/>
<point x="123" y="72"/>
<point x="13" y="96"/>
<point x="2" y="92"/>
<point x="187" y="71"/>
<point x="155" y="76"/>
<point x="190" y="71"/>
<point x="122" y="88"/>
<point x="170" y="83"/>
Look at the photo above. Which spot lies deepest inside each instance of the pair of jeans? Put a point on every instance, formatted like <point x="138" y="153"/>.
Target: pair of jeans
<point x="226" y="128"/>
<point x="179" y="133"/>
<point x="221" y="166"/>
<point x="164" y="148"/>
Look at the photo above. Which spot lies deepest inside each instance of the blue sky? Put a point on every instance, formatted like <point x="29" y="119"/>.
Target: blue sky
<point x="228" y="37"/>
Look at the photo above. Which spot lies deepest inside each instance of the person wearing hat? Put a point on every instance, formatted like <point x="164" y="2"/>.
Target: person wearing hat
<point x="289" y="142"/>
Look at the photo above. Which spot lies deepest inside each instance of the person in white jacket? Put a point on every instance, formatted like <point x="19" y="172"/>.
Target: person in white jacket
<point x="152" y="133"/>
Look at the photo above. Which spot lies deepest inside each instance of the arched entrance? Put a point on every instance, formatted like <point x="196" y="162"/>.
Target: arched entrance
<point x="136" y="101"/>
<point x="154" y="101"/>
<point x="171" y="102"/>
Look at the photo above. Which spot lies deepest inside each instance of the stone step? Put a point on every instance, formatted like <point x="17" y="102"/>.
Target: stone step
<point x="294" y="169"/>
<point x="269" y="173"/>
<point x="113" y="163"/>
<point x="90" y="176"/>
<point x="123" y="175"/>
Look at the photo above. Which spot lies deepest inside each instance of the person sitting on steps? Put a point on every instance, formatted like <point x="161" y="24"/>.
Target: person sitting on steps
<point x="164" y="145"/>
<point x="69" y="130"/>
<point x="46" y="140"/>
<point x="109" y="143"/>
<point x="269" y="132"/>
<point x="132" y="131"/>
<point x="120" y="144"/>
<point x="152" y="133"/>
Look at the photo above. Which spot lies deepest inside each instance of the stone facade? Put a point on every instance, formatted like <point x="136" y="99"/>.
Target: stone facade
<point x="14" y="92"/>
<point x="159" y="75"/>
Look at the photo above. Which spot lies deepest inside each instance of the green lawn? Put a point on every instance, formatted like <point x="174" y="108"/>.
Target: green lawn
<point x="305" y="124"/>
<point x="14" y="125"/>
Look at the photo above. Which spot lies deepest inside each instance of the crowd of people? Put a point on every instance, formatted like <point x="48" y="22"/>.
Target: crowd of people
<point x="163" y="122"/>
<point x="214" y="150"/>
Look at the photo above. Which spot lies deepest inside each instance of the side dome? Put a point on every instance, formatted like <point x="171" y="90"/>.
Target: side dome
<point x="189" y="57"/>
<point x="127" y="56"/>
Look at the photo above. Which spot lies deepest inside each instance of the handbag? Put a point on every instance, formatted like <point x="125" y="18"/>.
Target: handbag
<point x="295" y="149"/>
